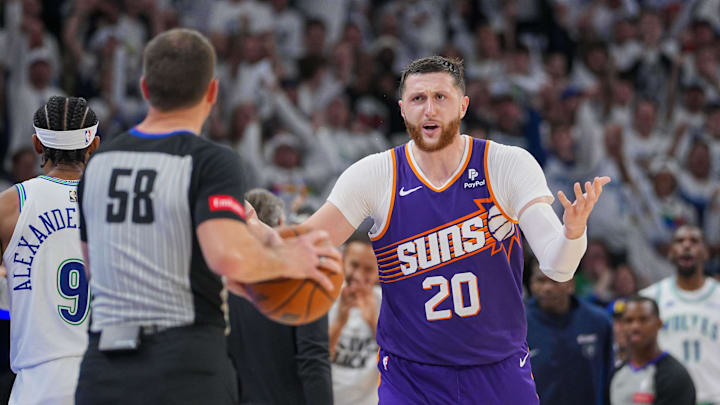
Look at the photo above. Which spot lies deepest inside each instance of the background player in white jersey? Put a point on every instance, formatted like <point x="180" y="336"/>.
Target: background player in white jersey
<point x="690" y="310"/>
<point x="49" y="295"/>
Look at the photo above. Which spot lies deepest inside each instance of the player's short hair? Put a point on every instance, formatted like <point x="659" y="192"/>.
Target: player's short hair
<point x="435" y="64"/>
<point x="64" y="114"/>
<point x="269" y="207"/>
<point x="640" y="299"/>
<point x="178" y="66"/>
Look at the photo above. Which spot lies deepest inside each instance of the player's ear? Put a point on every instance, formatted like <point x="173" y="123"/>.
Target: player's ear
<point x="37" y="145"/>
<point x="464" y="106"/>
<point x="144" y="89"/>
<point x="402" y="112"/>
<point x="91" y="148"/>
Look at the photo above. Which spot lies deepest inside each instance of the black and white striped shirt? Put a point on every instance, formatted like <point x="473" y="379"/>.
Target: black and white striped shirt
<point x="141" y="198"/>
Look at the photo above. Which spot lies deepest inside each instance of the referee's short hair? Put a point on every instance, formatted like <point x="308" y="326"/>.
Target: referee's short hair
<point x="178" y="66"/>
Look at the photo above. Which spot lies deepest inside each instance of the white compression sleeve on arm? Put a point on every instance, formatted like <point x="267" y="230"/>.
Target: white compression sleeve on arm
<point x="558" y="256"/>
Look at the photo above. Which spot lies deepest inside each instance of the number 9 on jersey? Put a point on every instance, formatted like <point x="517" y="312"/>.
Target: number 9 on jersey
<point x="72" y="285"/>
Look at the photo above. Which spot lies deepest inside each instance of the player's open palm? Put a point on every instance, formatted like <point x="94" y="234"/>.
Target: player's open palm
<point x="577" y="212"/>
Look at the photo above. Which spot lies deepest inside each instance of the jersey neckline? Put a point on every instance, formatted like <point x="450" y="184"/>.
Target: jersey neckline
<point x="702" y="294"/>
<point x="648" y="364"/>
<point x="147" y="135"/>
<point x="464" y="161"/>
<point x="60" y="181"/>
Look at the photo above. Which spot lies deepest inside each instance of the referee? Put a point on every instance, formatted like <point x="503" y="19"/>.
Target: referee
<point x="162" y="221"/>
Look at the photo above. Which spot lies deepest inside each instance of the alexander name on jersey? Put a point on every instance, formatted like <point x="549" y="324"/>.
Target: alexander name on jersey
<point x="33" y="236"/>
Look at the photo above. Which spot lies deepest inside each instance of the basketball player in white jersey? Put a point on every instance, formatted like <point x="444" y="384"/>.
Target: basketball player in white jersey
<point x="690" y="310"/>
<point x="49" y="294"/>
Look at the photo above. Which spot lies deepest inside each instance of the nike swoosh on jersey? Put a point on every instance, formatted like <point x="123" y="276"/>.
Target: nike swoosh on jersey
<point x="403" y="193"/>
<point x="524" y="359"/>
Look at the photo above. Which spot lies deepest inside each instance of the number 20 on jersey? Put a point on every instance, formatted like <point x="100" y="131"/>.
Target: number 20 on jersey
<point x="455" y="288"/>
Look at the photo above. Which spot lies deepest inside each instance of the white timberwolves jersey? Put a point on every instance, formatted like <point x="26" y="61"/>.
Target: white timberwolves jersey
<point x="691" y="331"/>
<point x="49" y="294"/>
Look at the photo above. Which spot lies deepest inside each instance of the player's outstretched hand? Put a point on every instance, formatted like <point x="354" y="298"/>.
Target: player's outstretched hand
<point x="577" y="213"/>
<point x="310" y="252"/>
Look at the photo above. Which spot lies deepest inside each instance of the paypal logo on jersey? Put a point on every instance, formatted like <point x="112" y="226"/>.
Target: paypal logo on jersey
<point x="472" y="175"/>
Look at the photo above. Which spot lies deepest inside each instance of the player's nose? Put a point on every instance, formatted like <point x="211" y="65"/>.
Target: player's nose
<point x="430" y="108"/>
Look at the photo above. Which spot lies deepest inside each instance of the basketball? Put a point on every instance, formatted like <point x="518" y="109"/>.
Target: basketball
<point x="294" y="301"/>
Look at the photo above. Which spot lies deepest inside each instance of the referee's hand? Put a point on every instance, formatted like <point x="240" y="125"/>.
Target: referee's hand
<point x="307" y="254"/>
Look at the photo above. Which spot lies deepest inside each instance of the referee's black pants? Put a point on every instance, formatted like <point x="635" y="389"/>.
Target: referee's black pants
<point x="184" y="365"/>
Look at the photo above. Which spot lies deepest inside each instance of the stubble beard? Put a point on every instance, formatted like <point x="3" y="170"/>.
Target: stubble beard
<point x="446" y="136"/>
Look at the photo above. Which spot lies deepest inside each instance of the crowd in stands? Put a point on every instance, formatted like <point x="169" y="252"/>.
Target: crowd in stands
<point x="625" y="88"/>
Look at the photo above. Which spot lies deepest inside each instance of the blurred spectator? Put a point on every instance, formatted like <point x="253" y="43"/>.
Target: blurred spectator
<point x="353" y="322"/>
<point x="620" y="339"/>
<point x="697" y="183"/>
<point x="652" y="69"/>
<point x="565" y="333"/>
<point x="689" y="304"/>
<point x="288" y="31"/>
<point x="275" y="363"/>
<point x="292" y="169"/>
<point x="25" y="165"/>
<point x="28" y="93"/>
<point x="650" y="374"/>
<point x="643" y="141"/>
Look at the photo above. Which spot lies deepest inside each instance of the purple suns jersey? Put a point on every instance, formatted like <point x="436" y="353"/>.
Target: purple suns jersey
<point x="450" y="265"/>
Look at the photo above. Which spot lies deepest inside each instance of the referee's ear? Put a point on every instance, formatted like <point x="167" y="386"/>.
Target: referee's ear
<point x="212" y="91"/>
<point x="144" y="89"/>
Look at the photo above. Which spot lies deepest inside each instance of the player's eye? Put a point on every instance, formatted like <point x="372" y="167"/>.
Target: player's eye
<point x="441" y="97"/>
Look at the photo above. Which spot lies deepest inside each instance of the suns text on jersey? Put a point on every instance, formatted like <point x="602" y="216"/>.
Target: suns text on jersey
<point x="33" y="237"/>
<point x="441" y="246"/>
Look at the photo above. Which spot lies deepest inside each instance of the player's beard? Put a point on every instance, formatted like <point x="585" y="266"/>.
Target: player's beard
<point x="686" y="271"/>
<point x="446" y="136"/>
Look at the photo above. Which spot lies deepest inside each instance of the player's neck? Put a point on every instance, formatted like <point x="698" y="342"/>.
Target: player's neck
<point x="64" y="171"/>
<point x="439" y="165"/>
<point x="160" y="122"/>
<point x="691" y="283"/>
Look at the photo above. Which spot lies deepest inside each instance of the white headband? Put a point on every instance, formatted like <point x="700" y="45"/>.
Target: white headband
<point x="67" y="140"/>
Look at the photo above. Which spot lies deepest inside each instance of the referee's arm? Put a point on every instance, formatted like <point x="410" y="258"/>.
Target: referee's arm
<point x="229" y="248"/>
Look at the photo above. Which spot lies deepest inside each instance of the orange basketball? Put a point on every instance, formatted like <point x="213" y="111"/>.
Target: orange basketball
<point x="294" y="301"/>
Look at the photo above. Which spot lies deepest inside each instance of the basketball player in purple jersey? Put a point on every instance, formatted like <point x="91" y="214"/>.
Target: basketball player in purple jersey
<point x="447" y="211"/>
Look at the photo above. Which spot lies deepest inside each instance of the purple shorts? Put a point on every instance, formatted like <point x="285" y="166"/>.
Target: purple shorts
<point x="405" y="382"/>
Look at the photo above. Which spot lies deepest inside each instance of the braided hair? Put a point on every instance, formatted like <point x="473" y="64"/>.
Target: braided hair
<point x="64" y="114"/>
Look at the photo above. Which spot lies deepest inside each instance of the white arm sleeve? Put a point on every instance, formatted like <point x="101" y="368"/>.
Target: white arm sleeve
<point x="365" y="189"/>
<point x="558" y="256"/>
<point x="515" y="177"/>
